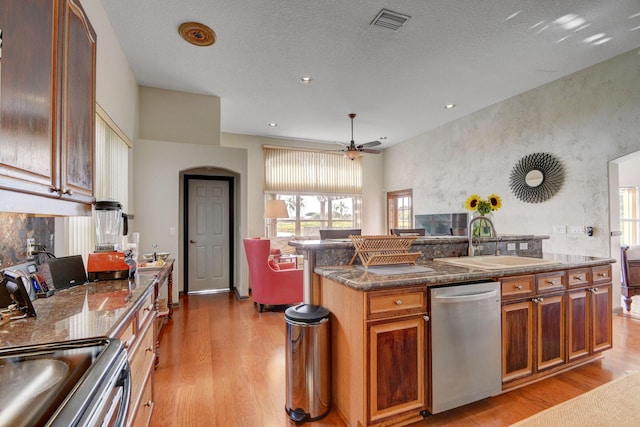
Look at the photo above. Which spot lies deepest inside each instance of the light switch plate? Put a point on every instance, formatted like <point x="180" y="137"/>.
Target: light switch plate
<point x="559" y="229"/>
<point x="576" y="229"/>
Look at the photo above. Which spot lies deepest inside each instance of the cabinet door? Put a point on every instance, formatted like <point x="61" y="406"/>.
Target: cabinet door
<point x="517" y="340"/>
<point x="78" y="103"/>
<point x="28" y="159"/>
<point x="396" y="368"/>
<point x="550" y="336"/>
<point x="578" y="324"/>
<point x="601" y="328"/>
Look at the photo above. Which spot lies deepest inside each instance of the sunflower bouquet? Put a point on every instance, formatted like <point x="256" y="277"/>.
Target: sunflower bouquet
<point x="483" y="206"/>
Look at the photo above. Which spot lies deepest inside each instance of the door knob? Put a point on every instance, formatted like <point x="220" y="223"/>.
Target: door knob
<point x="192" y="241"/>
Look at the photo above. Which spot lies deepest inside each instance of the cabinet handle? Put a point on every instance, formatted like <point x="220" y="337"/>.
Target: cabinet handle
<point x="149" y="403"/>
<point x="540" y="299"/>
<point x="67" y="191"/>
<point x="594" y="290"/>
<point x="192" y="241"/>
<point x="53" y="189"/>
<point x="603" y="275"/>
<point x="550" y="282"/>
<point x="148" y="349"/>
<point x="398" y="302"/>
<point x="518" y="286"/>
<point x="577" y="278"/>
<point x="426" y="317"/>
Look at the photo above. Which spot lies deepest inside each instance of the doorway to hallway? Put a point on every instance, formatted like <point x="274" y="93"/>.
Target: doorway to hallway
<point x="208" y="234"/>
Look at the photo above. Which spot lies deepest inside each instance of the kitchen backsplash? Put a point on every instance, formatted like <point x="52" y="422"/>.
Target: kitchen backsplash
<point x="16" y="228"/>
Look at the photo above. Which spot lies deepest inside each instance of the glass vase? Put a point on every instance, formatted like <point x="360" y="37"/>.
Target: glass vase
<point x="481" y="227"/>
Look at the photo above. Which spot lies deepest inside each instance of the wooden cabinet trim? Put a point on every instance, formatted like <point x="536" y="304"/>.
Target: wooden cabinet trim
<point x="396" y="302"/>
<point x="550" y="282"/>
<point x="517" y="286"/>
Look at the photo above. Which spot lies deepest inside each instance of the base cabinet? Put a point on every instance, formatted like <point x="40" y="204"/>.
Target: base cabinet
<point x="396" y="367"/>
<point x="139" y="339"/>
<point x="554" y="320"/>
<point x="378" y="366"/>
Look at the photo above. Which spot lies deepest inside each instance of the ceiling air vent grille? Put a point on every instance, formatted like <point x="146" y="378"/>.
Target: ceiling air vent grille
<point x="389" y="19"/>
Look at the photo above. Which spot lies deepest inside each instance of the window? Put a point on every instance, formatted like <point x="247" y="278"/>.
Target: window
<point x="112" y="182"/>
<point x="309" y="214"/>
<point x="400" y="209"/>
<point x="629" y="218"/>
<point x="321" y="189"/>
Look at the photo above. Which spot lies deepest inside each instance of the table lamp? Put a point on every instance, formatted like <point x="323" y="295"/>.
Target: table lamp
<point x="275" y="209"/>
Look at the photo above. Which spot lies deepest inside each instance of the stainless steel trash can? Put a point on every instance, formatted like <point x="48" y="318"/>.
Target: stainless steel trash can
<point x="308" y="362"/>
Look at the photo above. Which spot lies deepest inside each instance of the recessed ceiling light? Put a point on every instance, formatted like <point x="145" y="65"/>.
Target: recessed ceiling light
<point x="273" y="125"/>
<point x="449" y="106"/>
<point x="305" y="79"/>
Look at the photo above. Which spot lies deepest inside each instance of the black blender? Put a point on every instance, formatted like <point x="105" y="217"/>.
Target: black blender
<point x="109" y="261"/>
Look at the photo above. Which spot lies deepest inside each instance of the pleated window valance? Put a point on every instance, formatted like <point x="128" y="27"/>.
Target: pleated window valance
<point x="293" y="171"/>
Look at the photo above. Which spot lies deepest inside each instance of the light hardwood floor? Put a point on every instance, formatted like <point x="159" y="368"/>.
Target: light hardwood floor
<point x="222" y="364"/>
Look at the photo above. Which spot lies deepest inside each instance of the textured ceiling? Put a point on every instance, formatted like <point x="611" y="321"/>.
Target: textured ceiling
<point x="472" y="53"/>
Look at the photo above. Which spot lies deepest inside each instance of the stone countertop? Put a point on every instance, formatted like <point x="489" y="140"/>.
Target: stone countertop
<point x="422" y="240"/>
<point x="358" y="278"/>
<point x="95" y="309"/>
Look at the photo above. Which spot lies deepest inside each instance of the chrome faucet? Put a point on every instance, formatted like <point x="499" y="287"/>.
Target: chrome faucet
<point x="493" y="233"/>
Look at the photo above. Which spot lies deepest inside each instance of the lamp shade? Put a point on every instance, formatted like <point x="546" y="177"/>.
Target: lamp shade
<point x="276" y="209"/>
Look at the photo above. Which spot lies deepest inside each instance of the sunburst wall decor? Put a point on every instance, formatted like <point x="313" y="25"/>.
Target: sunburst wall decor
<point x="536" y="177"/>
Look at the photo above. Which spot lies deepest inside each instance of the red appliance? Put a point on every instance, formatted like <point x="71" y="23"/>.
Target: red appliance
<point x="109" y="265"/>
<point x="108" y="262"/>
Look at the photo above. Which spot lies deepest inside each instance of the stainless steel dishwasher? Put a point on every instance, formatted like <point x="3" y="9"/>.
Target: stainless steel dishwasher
<point x="465" y="344"/>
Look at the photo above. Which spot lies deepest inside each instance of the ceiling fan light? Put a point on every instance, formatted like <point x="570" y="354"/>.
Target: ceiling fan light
<point x="352" y="154"/>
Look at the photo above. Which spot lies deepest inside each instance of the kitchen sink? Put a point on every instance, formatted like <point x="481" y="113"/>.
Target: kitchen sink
<point x="496" y="262"/>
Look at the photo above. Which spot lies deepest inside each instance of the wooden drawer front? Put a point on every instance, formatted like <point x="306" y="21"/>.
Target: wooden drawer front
<point x="128" y="336"/>
<point x="148" y="309"/>
<point x="601" y="274"/>
<point x="387" y="304"/>
<point x="517" y="286"/>
<point x="579" y="278"/>
<point x="145" y="408"/>
<point x="141" y="366"/>
<point x="549" y="282"/>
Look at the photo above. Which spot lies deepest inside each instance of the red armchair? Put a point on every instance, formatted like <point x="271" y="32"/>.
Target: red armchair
<point x="269" y="284"/>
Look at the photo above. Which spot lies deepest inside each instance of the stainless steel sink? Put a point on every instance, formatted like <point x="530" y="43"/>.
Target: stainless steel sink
<point x="496" y="262"/>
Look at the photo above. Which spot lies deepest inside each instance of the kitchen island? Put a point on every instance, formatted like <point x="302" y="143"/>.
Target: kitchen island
<point x="554" y="317"/>
<point x="122" y="309"/>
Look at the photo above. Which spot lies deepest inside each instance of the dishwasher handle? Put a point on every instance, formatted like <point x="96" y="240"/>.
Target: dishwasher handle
<point x="453" y="299"/>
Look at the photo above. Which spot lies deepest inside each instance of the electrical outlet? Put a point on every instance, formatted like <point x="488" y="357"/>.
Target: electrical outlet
<point x="576" y="229"/>
<point x="30" y="243"/>
<point x="524" y="246"/>
<point x="511" y="246"/>
<point x="559" y="229"/>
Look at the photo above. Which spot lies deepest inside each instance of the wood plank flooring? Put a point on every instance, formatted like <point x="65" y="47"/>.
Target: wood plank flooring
<point x="222" y="364"/>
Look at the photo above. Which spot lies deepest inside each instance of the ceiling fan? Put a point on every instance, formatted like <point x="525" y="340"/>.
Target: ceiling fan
<point x="353" y="151"/>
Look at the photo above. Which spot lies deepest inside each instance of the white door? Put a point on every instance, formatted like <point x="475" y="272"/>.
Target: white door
<point x="208" y="236"/>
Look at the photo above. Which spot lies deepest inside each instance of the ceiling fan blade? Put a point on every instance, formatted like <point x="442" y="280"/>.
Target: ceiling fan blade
<point x="370" y="151"/>
<point x="370" y="144"/>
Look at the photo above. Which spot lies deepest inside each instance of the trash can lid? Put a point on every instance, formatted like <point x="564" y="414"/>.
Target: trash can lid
<point x="306" y="313"/>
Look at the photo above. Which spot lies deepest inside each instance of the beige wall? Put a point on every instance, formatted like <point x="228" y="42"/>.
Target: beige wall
<point x="167" y="115"/>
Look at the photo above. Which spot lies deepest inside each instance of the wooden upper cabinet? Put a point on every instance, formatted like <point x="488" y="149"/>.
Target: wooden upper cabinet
<point x="78" y="104"/>
<point x="47" y="99"/>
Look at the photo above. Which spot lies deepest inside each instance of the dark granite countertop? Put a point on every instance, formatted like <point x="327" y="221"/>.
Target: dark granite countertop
<point x="357" y="277"/>
<point x="420" y="240"/>
<point x="96" y="309"/>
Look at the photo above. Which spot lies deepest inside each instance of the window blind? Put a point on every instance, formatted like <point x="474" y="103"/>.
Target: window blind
<point x="310" y="172"/>
<point x="112" y="182"/>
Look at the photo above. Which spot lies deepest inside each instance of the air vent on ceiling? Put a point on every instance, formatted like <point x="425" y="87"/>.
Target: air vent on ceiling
<point x="389" y="19"/>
